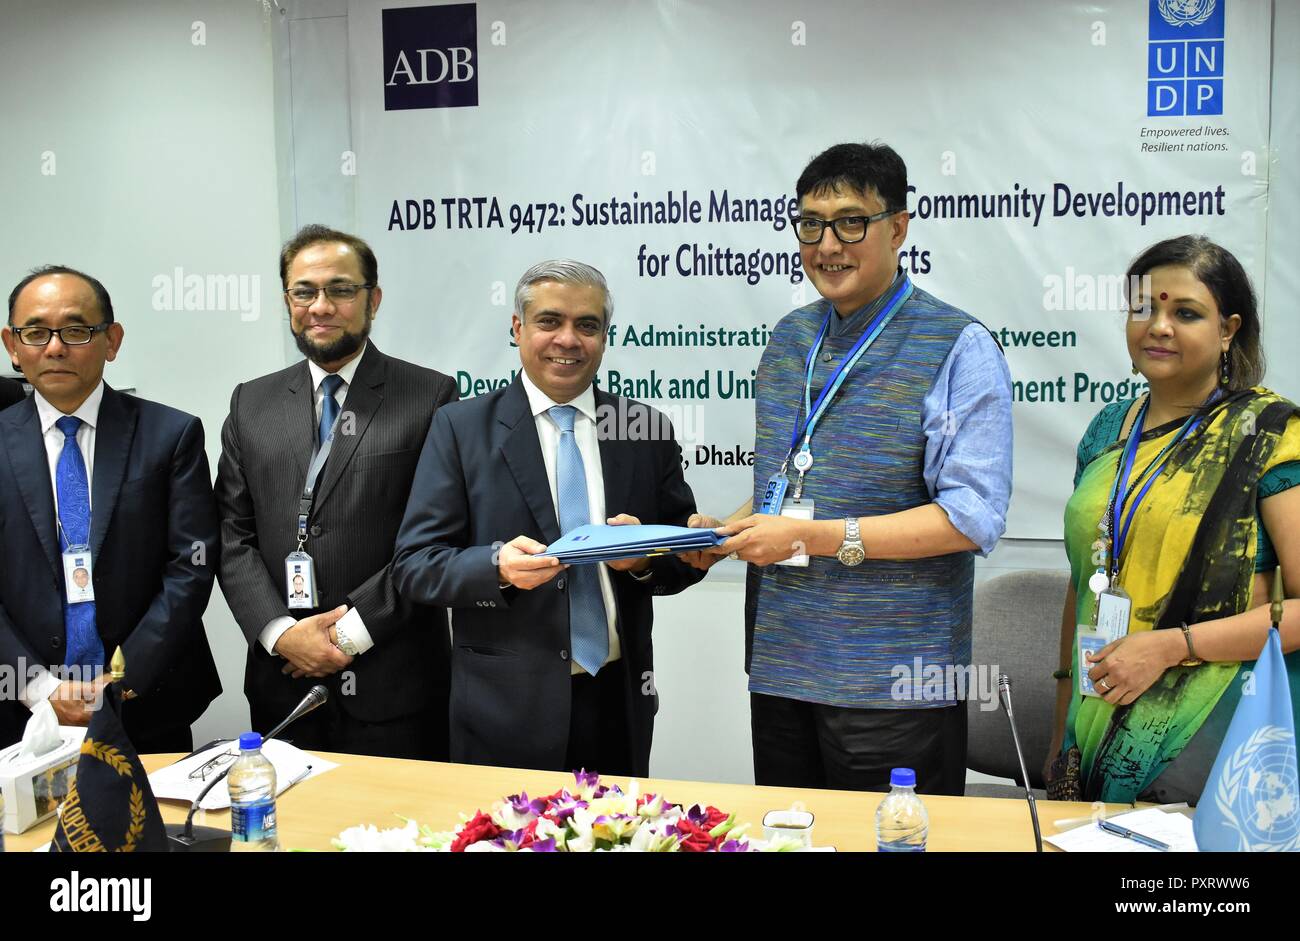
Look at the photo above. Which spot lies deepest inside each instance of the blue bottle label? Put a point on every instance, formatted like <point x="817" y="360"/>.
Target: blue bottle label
<point x="252" y="823"/>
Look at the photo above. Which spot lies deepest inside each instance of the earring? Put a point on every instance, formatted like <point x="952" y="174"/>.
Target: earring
<point x="1134" y="368"/>
<point x="1224" y="370"/>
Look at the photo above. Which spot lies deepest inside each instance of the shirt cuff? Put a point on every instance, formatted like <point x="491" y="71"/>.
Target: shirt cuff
<point x="39" y="689"/>
<point x="971" y="516"/>
<point x="355" y="629"/>
<point x="271" y="633"/>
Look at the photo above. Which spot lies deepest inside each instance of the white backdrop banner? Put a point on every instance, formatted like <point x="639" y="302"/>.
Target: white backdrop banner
<point x="1046" y="144"/>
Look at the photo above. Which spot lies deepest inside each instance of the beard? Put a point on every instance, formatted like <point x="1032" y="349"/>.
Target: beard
<point x="341" y="348"/>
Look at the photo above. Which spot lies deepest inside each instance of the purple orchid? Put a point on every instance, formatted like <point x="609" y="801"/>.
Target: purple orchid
<point x="562" y="807"/>
<point x="697" y="815"/>
<point x="521" y="805"/>
<point x="733" y="846"/>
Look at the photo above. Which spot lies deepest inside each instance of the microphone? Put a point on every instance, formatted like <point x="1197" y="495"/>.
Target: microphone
<point x="1004" y="697"/>
<point x="187" y="838"/>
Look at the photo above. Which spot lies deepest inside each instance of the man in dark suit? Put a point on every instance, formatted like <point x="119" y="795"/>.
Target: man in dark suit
<point x="383" y="659"/>
<point x="97" y="480"/>
<point x="11" y="393"/>
<point x="552" y="666"/>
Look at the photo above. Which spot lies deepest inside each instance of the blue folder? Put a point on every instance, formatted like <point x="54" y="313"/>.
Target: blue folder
<point x="593" y="543"/>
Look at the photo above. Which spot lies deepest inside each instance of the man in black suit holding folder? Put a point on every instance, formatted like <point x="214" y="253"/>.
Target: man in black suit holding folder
<point x="551" y="665"/>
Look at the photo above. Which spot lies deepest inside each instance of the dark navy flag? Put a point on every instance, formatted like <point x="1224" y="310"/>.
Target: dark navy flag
<point x="110" y="807"/>
<point x="1251" y="800"/>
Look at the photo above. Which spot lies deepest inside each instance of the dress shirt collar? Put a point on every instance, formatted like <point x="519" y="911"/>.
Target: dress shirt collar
<point x="87" y="411"/>
<point x="539" y="401"/>
<point x="855" y="322"/>
<point x="345" y="372"/>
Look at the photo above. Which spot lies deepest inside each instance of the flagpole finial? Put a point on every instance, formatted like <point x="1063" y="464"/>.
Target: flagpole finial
<point x="1279" y="594"/>
<point x="117" y="666"/>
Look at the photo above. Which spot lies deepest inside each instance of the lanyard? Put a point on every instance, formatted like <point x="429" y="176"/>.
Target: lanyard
<point x="318" y="459"/>
<point x="815" y="412"/>
<point x="1120" y="512"/>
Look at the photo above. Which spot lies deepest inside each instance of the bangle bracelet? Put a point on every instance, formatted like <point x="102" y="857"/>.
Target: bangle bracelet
<point x="1192" y="660"/>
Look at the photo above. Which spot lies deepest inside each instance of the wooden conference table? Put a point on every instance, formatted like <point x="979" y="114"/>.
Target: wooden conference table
<point x="366" y="790"/>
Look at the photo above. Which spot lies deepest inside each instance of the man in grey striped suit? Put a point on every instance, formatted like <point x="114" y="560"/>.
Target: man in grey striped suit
<point x="317" y="460"/>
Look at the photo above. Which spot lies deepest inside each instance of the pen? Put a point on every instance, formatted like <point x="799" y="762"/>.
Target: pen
<point x="305" y="771"/>
<point x="1132" y="835"/>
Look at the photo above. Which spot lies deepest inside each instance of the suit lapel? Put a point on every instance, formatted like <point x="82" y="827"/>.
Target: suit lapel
<point x="365" y="395"/>
<point x="113" y="435"/>
<point x="299" y="414"/>
<point x="615" y="457"/>
<point x="522" y="452"/>
<point x="32" y="474"/>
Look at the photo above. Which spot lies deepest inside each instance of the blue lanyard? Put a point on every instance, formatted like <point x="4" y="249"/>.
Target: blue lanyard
<point x="1122" y="511"/>
<point x="878" y="323"/>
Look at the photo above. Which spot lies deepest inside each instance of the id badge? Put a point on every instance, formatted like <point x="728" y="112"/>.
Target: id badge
<point x="1114" y="607"/>
<point x="78" y="574"/>
<point x="774" y="495"/>
<point x="300" y="580"/>
<point x="1091" y="641"/>
<point x="800" y="510"/>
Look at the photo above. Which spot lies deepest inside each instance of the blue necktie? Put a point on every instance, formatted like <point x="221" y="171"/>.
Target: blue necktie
<point x="84" y="648"/>
<point x="588" y="626"/>
<point x="329" y="407"/>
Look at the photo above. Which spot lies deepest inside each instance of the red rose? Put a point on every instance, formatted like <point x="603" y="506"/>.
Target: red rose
<point x="693" y="838"/>
<point x="713" y="817"/>
<point x="480" y="828"/>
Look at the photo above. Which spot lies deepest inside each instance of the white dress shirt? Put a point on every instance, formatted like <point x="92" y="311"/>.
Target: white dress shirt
<point x="584" y="431"/>
<point x="43" y="683"/>
<point x="350" y="624"/>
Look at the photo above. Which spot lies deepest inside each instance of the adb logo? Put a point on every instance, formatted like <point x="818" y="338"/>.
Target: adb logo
<point x="430" y="57"/>
<point x="1185" y="57"/>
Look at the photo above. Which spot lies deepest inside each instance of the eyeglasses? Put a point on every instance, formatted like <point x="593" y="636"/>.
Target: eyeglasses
<point x="848" y="229"/>
<point x="213" y="765"/>
<point x="304" y="296"/>
<point x="72" y="335"/>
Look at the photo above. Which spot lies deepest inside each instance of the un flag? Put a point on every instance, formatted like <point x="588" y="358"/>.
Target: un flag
<point x="1251" y="801"/>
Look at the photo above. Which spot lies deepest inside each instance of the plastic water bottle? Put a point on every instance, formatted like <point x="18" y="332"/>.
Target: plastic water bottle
<point x="902" y="824"/>
<point x="252" y="798"/>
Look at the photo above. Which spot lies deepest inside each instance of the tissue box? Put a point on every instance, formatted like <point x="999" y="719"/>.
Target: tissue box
<point x="34" y="788"/>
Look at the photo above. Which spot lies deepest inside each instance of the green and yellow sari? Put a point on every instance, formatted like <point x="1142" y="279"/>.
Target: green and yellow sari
<point x="1191" y="555"/>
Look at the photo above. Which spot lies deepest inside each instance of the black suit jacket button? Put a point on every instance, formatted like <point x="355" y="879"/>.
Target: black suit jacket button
<point x="315" y="530"/>
<point x="56" y="642"/>
<point x="564" y="655"/>
<point x="560" y="583"/>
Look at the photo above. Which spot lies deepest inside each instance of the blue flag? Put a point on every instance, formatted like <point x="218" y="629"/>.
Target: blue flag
<point x="1251" y="800"/>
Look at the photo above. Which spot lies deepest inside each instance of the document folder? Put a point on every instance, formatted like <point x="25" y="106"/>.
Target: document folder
<point x="595" y="543"/>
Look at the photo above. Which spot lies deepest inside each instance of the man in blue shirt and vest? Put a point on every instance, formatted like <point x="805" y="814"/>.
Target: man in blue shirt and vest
<point x="882" y="464"/>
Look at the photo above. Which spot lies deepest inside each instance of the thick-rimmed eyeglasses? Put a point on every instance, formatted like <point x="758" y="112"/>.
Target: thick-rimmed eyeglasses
<point x="848" y="229"/>
<point x="303" y="296"/>
<point x="71" y="335"/>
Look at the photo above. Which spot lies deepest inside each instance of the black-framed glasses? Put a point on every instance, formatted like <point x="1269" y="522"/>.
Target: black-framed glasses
<point x="76" y="334"/>
<point x="848" y="229"/>
<point x="304" y="296"/>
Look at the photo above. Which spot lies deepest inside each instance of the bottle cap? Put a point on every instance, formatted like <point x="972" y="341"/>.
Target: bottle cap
<point x="250" y="741"/>
<point x="902" y="777"/>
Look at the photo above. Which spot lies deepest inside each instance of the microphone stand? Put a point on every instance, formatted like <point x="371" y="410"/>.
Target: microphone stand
<point x="186" y="837"/>
<point x="1004" y="696"/>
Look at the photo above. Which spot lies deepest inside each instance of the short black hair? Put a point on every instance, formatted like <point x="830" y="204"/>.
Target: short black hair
<point x="864" y="167"/>
<point x="1227" y="281"/>
<point x="310" y="235"/>
<point x="101" y="293"/>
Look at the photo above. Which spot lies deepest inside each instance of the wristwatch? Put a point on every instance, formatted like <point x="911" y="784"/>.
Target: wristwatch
<point x="851" y="552"/>
<point x="345" y="643"/>
<point x="1192" y="660"/>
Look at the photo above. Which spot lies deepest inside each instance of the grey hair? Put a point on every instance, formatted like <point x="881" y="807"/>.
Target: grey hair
<point x="565" y="271"/>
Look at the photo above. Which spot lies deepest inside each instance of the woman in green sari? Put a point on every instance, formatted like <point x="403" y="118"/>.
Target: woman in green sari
<point x="1185" y="501"/>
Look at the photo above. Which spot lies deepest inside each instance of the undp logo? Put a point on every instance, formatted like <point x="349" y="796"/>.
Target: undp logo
<point x="1185" y="58"/>
<point x="431" y="57"/>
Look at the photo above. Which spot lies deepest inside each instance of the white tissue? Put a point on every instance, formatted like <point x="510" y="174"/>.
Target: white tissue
<point x="42" y="733"/>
